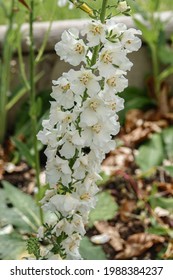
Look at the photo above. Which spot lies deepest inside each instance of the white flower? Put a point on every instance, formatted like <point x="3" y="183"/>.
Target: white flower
<point x="114" y="83"/>
<point x="71" y="246"/>
<point x="111" y="58"/>
<point x="94" y="109"/>
<point x="115" y="29"/>
<point x="65" y="204"/>
<point x="62" y="93"/>
<point x="95" y="32"/>
<point x="70" y="226"/>
<point x="122" y="6"/>
<point x="82" y="80"/>
<point x="71" y="48"/>
<point x="71" y="141"/>
<point x="49" y="135"/>
<point x="58" y="171"/>
<point x="129" y="41"/>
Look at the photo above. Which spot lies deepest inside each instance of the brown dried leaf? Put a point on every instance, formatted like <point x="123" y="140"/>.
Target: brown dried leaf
<point x="137" y="135"/>
<point x="138" y="243"/>
<point x="144" y="237"/>
<point x="168" y="187"/>
<point x="133" y="250"/>
<point x="115" y="239"/>
<point x="132" y="117"/>
<point x="126" y="208"/>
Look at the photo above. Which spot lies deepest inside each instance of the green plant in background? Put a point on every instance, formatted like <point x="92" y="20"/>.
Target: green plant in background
<point x="8" y="48"/>
<point x="153" y="31"/>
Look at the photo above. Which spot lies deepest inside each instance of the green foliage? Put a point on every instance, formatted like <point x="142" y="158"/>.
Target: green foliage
<point x="21" y="212"/>
<point x="168" y="141"/>
<point x="134" y="99"/>
<point x="105" y="209"/>
<point x="89" y="251"/>
<point x="25" y="152"/>
<point x="152" y="153"/>
<point x="19" y="208"/>
<point x="169" y="170"/>
<point x="12" y="246"/>
<point x="163" y="202"/>
<point x="33" y="247"/>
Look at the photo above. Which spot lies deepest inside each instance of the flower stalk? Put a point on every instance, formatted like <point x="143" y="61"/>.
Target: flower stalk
<point x="83" y="119"/>
<point x="33" y="109"/>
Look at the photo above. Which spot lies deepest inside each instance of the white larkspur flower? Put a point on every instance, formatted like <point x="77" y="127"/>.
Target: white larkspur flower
<point x="62" y="120"/>
<point x="74" y="224"/>
<point x="94" y="109"/>
<point x="115" y="83"/>
<point x="100" y="133"/>
<point x="58" y="170"/>
<point x="71" y="246"/>
<point x="114" y="28"/>
<point x="70" y="142"/>
<point x="71" y="48"/>
<point x="65" y="204"/>
<point x="129" y="41"/>
<point x="112" y="58"/>
<point x="95" y="32"/>
<point x="82" y="80"/>
<point x="62" y="93"/>
<point x="49" y="135"/>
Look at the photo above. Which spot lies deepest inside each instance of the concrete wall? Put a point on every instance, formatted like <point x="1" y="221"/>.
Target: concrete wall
<point x="53" y="67"/>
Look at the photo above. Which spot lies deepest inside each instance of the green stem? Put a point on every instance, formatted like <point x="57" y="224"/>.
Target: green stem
<point x="155" y="65"/>
<point x="102" y="19"/>
<point x="5" y="73"/>
<point x="33" y="112"/>
<point x="103" y="11"/>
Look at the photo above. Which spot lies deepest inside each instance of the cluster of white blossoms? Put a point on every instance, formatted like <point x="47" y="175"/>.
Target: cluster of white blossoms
<point x="82" y="123"/>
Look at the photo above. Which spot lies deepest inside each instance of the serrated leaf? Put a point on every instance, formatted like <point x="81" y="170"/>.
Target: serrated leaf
<point x="24" y="212"/>
<point x="105" y="209"/>
<point x="150" y="154"/>
<point x="89" y="251"/>
<point x="11" y="246"/>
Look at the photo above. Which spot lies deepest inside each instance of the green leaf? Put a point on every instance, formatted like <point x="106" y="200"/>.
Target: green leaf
<point x="134" y="99"/>
<point x="11" y="246"/>
<point x="25" y="152"/>
<point x="23" y="212"/>
<point x="165" y="54"/>
<point x="151" y="154"/>
<point x="169" y="169"/>
<point x="159" y="230"/>
<point x="163" y="202"/>
<point x="89" y="251"/>
<point x="105" y="178"/>
<point x="168" y="141"/>
<point x="106" y="208"/>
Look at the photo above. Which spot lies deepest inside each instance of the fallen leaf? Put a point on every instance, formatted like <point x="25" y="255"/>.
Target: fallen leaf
<point x="126" y="208"/>
<point x="115" y="239"/>
<point x="137" y="244"/>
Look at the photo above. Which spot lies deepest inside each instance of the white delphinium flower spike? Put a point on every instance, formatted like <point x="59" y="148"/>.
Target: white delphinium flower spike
<point x="82" y="122"/>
